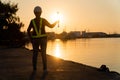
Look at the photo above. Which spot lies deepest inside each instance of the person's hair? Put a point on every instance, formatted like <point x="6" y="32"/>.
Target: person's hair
<point x="37" y="9"/>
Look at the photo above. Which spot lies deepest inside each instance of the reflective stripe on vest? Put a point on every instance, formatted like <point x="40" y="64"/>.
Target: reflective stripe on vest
<point x="38" y="32"/>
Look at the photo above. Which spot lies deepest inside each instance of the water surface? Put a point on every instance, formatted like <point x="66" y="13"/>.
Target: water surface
<point x="93" y="52"/>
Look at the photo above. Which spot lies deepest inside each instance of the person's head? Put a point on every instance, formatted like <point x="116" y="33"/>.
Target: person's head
<point x="37" y="11"/>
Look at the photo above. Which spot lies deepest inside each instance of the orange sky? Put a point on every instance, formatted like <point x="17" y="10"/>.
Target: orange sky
<point x="90" y="15"/>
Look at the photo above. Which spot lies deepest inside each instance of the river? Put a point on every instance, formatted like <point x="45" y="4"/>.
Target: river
<point x="91" y="51"/>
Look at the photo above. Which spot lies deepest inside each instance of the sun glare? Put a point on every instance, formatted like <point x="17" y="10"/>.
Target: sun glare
<point x="57" y="16"/>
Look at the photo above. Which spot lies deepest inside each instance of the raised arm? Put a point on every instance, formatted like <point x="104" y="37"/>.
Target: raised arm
<point x="49" y="24"/>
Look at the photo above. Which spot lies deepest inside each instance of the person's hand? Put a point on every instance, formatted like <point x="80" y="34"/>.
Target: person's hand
<point x="57" y="22"/>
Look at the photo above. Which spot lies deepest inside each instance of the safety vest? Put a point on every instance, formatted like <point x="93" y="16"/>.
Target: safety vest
<point x="38" y="32"/>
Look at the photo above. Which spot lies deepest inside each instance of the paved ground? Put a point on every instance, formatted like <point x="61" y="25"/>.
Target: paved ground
<point x="15" y="64"/>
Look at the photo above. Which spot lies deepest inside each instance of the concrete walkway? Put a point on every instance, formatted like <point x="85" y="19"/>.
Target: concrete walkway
<point x="15" y="64"/>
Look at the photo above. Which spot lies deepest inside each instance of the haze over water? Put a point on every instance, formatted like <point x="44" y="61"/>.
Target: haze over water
<point x="93" y="52"/>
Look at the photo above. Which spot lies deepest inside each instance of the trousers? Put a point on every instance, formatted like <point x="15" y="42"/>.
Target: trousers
<point x="42" y="44"/>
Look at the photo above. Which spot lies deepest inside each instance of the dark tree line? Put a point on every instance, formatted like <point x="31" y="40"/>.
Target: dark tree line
<point x="10" y="25"/>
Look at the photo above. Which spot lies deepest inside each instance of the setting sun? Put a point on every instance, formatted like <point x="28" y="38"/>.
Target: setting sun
<point x="57" y="16"/>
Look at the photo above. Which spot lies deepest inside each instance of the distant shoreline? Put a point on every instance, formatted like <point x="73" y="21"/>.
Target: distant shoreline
<point x="81" y="34"/>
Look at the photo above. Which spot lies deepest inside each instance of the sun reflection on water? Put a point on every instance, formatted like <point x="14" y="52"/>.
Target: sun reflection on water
<point x="57" y="49"/>
<point x="93" y="52"/>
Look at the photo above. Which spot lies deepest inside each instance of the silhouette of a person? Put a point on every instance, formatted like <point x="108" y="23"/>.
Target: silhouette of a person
<point x="37" y="34"/>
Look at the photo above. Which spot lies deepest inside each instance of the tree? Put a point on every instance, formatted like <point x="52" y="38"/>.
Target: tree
<point x="10" y="25"/>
